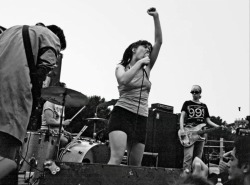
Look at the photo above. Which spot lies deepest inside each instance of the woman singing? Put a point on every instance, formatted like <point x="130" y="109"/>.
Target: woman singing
<point x="127" y="124"/>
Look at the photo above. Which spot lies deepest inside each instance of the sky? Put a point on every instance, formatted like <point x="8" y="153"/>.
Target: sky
<point x="205" y="42"/>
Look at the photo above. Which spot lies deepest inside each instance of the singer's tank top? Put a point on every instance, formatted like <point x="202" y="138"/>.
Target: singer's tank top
<point x="130" y="94"/>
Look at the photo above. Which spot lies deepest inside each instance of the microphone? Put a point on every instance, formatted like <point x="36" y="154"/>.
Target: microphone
<point x="144" y="65"/>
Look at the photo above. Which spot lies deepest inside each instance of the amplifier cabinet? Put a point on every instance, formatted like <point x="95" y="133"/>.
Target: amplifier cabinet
<point x="162" y="138"/>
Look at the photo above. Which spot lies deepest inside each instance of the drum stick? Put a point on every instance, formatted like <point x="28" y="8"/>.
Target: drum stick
<point x="77" y="113"/>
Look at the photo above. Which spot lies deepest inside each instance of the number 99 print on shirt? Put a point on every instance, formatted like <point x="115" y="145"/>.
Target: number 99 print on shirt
<point x="196" y="113"/>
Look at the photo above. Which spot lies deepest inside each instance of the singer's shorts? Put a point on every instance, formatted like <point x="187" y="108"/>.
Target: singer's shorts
<point x="124" y="120"/>
<point x="9" y="146"/>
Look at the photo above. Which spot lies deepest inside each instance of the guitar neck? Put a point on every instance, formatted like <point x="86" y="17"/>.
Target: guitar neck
<point x="207" y="130"/>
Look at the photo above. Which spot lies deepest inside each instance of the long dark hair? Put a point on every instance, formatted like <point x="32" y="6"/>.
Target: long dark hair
<point x="128" y="53"/>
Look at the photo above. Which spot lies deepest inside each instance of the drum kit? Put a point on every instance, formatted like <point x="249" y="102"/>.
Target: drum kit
<point x="40" y="150"/>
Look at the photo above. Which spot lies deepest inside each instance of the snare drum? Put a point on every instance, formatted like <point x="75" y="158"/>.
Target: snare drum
<point x="86" y="151"/>
<point x="36" y="149"/>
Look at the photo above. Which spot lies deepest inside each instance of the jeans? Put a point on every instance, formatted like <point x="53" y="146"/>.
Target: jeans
<point x="191" y="152"/>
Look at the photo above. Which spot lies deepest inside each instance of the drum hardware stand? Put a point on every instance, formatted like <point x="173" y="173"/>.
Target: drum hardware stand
<point x="94" y="129"/>
<point x="60" y="126"/>
<point x="33" y="162"/>
<point x="49" y="164"/>
<point x="47" y="135"/>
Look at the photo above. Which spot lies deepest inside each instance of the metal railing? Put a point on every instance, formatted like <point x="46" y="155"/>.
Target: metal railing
<point x="218" y="149"/>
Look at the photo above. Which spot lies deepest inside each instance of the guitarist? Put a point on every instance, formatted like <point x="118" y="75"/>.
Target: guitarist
<point x="195" y="113"/>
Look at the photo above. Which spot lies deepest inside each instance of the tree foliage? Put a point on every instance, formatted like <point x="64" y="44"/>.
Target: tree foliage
<point x="91" y="110"/>
<point x="224" y="132"/>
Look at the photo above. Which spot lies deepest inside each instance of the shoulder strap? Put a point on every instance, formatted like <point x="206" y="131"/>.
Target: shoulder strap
<point x="28" y="48"/>
<point x="31" y="64"/>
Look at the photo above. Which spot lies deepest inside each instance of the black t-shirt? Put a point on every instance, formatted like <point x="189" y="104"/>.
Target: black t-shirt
<point x="196" y="113"/>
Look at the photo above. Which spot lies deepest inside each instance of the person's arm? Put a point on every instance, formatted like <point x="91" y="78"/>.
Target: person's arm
<point x="211" y="123"/>
<point x="199" y="168"/>
<point x="49" y="49"/>
<point x="50" y="120"/>
<point x="124" y="77"/>
<point x="207" y="117"/>
<point x="158" y="36"/>
<point x="223" y="165"/>
<point x="48" y="108"/>
<point x="183" y="114"/>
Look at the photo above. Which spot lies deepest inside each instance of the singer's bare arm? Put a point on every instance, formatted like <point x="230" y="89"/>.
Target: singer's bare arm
<point x="158" y="36"/>
<point x="124" y="77"/>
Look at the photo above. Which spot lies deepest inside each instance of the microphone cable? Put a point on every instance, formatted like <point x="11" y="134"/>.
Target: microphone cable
<point x="136" y="120"/>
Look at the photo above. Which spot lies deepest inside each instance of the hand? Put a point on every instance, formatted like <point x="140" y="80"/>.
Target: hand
<point x="144" y="61"/>
<point x="227" y="154"/>
<point x="182" y="131"/>
<point x="152" y="11"/>
<point x="199" y="168"/>
<point x="223" y="166"/>
<point x="66" y="133"/>
<point x="66" y="122"/>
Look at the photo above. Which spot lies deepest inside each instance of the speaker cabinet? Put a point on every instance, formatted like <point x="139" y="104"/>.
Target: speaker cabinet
<point x="162" y="138"/>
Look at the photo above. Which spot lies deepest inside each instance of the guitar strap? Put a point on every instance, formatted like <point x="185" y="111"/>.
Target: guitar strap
<point x="31" y="63"/>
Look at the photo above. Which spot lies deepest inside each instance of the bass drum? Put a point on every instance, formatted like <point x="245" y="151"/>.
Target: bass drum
<point x="85" y="151"/>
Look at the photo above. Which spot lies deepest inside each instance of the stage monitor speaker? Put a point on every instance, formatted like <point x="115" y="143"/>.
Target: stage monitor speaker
<point x="162" y="138"/>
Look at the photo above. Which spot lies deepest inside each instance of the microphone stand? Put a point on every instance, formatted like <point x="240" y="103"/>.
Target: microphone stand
<point x="60" y="126"/>
<point x="94" y="129"/>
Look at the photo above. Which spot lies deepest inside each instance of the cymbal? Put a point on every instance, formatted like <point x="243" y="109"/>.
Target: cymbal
<point x="96" y="119"/>
<point x="56" y="94"/>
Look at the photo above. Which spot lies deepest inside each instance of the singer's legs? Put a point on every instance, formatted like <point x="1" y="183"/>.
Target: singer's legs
<point x="126" y="130"/>
<point x="135" y="153"/>
<point x="6" y="166"/>
<point x="118" y="142"/>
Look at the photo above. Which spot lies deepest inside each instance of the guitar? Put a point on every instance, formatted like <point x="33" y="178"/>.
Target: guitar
<point x="192" y="134"/>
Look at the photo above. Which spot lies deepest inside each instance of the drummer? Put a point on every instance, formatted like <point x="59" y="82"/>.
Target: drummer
<point x="51" y="115"/>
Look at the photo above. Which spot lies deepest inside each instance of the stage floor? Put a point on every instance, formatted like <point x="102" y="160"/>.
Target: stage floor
<point x="23" y="178"/>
